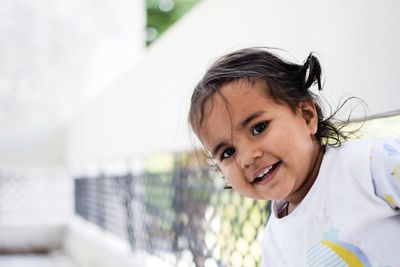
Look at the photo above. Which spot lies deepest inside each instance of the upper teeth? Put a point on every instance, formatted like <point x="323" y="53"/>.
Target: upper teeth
<point x="264" y="172"/>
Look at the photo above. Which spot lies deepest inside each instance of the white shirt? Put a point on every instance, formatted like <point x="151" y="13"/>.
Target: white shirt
<point x="350" y="216"/>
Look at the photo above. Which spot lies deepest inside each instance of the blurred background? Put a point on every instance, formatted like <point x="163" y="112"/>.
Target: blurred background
<point x="97" y="164"/>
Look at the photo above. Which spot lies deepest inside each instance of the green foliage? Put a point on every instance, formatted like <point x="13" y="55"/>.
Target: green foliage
<point x="161" y="14"/>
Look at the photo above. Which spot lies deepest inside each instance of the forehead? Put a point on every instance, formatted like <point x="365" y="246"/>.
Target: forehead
<point x="235" y="98"/>
<point x="230" y="105"/>
<point x="237" y="92"/>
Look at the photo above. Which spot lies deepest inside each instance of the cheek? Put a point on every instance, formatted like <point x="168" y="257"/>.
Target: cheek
<point x="231" y="173"/>
<point x="302" y="159"/>
<point x="300" y="141"/>
<point x="227" y="172"/>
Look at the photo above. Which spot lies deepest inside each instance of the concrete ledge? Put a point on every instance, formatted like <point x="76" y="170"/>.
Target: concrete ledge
<point x="30" y="237"/>
<point x="88" y="246"/>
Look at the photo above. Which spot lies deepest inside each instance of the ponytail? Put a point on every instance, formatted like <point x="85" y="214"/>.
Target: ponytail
<point x="310" y="72"/>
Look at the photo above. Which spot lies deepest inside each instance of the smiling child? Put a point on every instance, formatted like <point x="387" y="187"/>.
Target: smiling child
<point x="334" y="202"/>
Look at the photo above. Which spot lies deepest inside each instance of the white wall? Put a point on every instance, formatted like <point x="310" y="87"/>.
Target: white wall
<point x="32" y="149"/>
<point x="145" y="111"/>
<point x="55" y="57"/>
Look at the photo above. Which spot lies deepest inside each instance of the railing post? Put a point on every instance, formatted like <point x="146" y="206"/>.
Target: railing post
<point x="129" y="195"/>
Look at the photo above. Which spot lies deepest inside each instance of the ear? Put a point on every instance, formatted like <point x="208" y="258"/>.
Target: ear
<point x="310" y="115"/>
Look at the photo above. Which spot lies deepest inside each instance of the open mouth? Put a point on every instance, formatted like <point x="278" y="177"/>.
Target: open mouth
<point x="263" y="177"/>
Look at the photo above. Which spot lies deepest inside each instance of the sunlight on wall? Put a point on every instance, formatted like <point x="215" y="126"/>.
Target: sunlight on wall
<point x="387" y="126"/>
<point x="160" y="163"/>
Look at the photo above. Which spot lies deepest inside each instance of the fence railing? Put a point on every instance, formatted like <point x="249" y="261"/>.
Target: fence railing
<point x="185" y="214"/>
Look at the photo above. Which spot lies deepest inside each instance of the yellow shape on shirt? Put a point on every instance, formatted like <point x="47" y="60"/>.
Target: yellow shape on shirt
<point x="349" y="257"/>
<point x="390" y="200"/>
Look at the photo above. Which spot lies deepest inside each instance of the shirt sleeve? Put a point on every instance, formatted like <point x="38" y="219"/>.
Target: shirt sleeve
<point x="385" y="169"/>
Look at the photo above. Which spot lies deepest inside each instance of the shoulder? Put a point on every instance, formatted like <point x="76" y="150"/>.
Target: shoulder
<point x="373" y="153"/>
<point x="384" y="155"/>
<point x="386" y="147"/>
<point x="378" y="147"/>
<point x="384" y="152"/>
<point x="349" y="152"/>
<point x="385" y="169"/>
<point x="357" y="144"/>
<point x="353" y="159"/>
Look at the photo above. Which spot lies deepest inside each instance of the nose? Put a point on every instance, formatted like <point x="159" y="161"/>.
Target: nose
<point x="249" y="155"/>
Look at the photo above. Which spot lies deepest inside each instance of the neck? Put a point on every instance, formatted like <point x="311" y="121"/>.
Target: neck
<point x="296" y="198"/>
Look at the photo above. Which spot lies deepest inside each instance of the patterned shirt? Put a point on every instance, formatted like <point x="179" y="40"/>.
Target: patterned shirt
<point x="350" y="216"/>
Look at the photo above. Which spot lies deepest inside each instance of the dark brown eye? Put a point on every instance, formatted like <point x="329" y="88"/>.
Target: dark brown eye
<point x="228" y="152"/>
<point x="259" y="128"/>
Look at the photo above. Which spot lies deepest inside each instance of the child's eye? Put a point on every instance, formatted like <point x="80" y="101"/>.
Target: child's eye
<point x="259" y="128"/>
<point x="227" y="153"/>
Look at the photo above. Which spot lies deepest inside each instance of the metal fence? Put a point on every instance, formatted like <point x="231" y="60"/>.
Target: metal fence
<point x="185" y="214"/>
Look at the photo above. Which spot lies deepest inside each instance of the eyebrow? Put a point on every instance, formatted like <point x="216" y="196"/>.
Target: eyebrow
<point x="242" y="124"/>
<point x="250" y="118"/>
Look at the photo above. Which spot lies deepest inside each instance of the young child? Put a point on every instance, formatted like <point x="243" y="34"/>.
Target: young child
<point x="334" y="203"/>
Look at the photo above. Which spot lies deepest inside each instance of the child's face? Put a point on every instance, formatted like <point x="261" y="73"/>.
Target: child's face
<point x="265" y="150"/>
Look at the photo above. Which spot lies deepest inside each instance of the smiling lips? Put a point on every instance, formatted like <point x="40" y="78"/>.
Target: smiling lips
<point x="265" y="175"/>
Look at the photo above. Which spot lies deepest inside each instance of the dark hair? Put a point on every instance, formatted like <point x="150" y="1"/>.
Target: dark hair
<point x="286" y="82"/>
